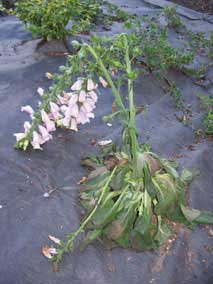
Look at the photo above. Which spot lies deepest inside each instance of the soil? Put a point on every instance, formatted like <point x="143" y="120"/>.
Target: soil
<point x="198" y="5"/>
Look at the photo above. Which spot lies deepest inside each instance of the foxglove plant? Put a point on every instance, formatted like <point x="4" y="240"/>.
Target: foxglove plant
<point x="135" y="196"/>
<point x="68" y="110"/>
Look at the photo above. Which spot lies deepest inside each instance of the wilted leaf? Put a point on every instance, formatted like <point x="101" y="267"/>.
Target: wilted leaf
<point x="98" y="171"/>
<point x="197" y="216"/>
<point x="163" y="234"/>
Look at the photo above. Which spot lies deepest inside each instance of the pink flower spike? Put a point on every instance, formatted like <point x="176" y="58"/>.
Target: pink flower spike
<point x="73" y="124"/>
<point x="103" y="82"/>
<point x="91" y="85"/>
<point x="19" y="136"/>
<point x="77" y="85"/>
<point x="50" y="125"/>
<point x="28" y="109"/>
<point x="40" y="91"/>
<point x="44" y="133"/>
<point x="82" y="96"/>
<point x="93" y="96"/>
<point x="37" y="141"/>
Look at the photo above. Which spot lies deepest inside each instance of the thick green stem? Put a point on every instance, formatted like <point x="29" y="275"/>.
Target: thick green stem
<point x="108" y="78"/>
<point x="132" y="127"/>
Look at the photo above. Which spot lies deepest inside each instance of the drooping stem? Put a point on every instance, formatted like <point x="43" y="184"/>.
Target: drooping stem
<point x="108" y="78"/>
<point x="132" y="112"/>
<point x="85" y="222"/>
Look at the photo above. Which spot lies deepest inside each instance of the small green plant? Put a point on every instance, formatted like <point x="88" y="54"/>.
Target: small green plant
<point x="211" y="47"/>
<point x="208" y="123"/>
<point x="173" y="19"/>
<point x="207" y="104"/>
<point x="4" y="10"/>
<point x="50" y="18"/>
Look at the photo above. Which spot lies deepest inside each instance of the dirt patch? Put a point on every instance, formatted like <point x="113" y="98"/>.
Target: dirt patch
<point x="198" y="5"/>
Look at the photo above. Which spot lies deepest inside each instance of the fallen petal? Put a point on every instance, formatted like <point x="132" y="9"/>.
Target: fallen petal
<point x="54" y="239"/>
<point x="104" y="142"/>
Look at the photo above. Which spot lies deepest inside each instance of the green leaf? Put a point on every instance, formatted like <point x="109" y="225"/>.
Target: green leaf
<point x="163" y="234"/>
<point x="169" y="169"/>
<point x="187" y="176"/>
<point x="90" y="237"/>
<point x="197" y="216"/>
<point x="166" y="192"/>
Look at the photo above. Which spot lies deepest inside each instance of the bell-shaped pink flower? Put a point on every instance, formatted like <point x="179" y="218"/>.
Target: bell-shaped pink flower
<point x="40" y="91"/>
<point x="77" y="85"/>
<point x="73" y="100"/>
<point x="91" y="103"/>
<point x="86" y="107"/>
<point x="50" y="125"/>
<point x="27" y="126"/>
<point x="74" y="110"/>
<point x="82" y="117"/>
<point x="103" y="82"/>
<point x="65" y="98"/>
<point x="93" y="96"/>
<point x="28" y="109"/>
<point x="91" y="85"/>
<point x="19" y="136"/>
<point x="67" y="117"/>
<point x="55" y="111"/>
<point x="90" y="115"/>
<point x="37" y="141"/>
<point x="82" y="96"/>
<point x="44" y="133"/>
<point x="73" y="125"/>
